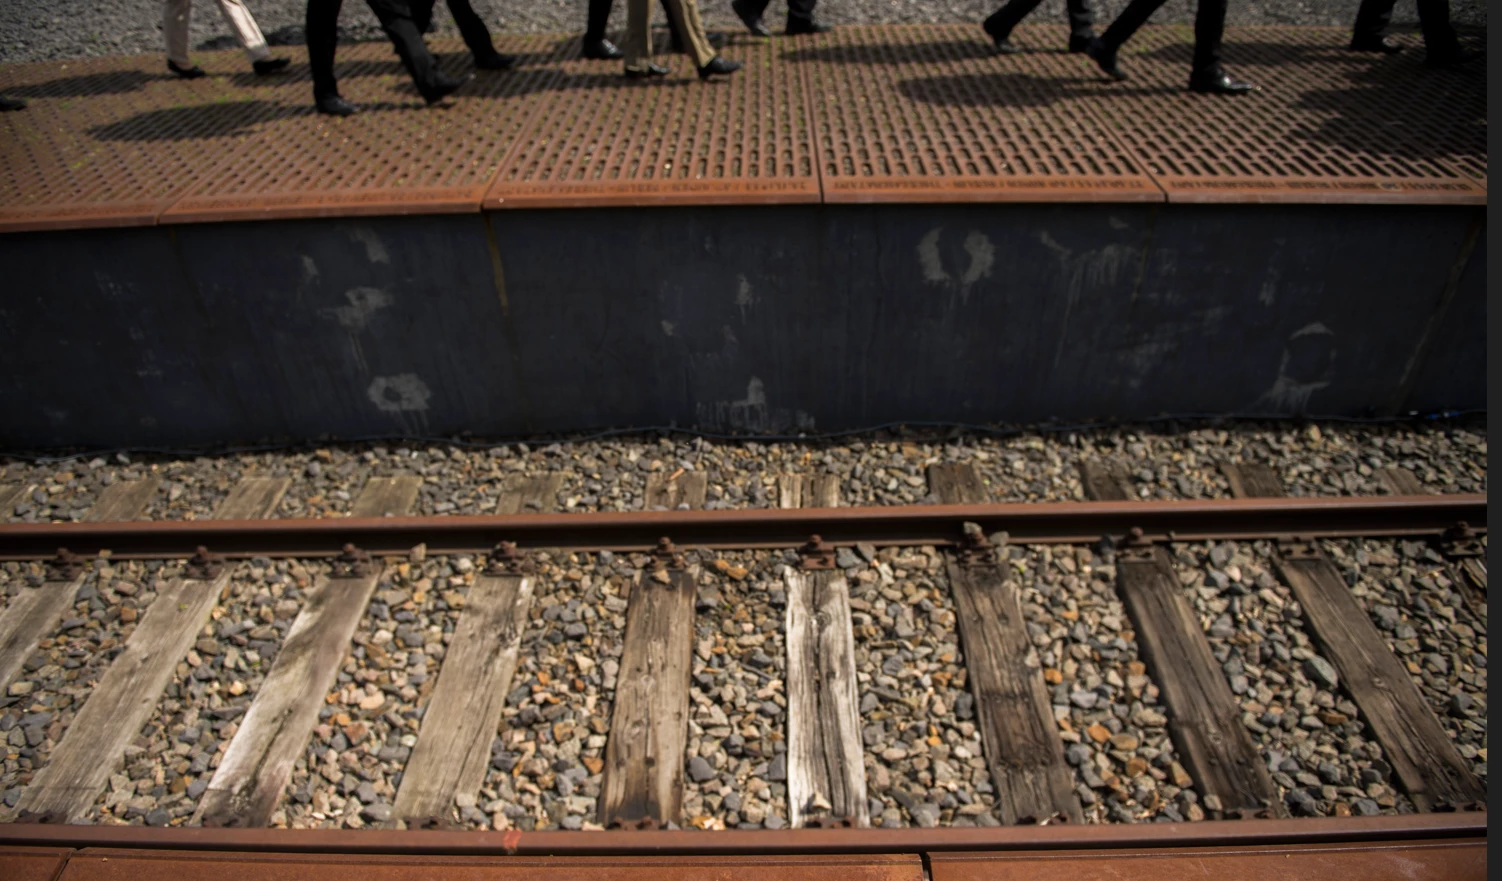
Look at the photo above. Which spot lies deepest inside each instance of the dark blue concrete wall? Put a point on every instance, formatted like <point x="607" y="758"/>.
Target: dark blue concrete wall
<point x="750" y="319"/>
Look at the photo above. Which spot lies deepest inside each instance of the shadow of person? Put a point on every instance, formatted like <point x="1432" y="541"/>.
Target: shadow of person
<point x="84" y="85"/>
<point x="1256" y="53"/>
<point x="217" y="120"/>
<point x="1001" y="89"/>
<point x="897" y="53"/>
<point x="1403" y="111"/>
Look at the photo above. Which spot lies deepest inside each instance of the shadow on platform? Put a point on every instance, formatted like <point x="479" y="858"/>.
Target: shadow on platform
<point x="942" y="51"/>
<point x="989" y="90"/>
<point x="89" y="84"/>
<point x="200" y="121"/>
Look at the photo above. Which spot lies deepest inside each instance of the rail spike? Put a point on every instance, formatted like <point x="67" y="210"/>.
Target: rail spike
<point x="816" y="554"/>
<point x="353" y="563"/>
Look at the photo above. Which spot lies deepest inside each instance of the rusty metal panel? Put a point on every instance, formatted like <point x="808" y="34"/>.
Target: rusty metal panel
<point x="393" y="157"/>
<point x="1380" y="861"/>
<point x="126" y="865"/>
<point x="931" y="114"/>
<point x="109" y="141"/>
<point x="1327" y="125"/>
<point x="602" y="139"/>
<point x="32" y="863"/>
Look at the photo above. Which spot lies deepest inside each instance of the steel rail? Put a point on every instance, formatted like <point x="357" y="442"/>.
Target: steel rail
<point x="1213" y="833"/>
<point x="1047" y="522"/>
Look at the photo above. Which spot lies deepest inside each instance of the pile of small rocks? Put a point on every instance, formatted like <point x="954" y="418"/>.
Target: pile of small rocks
<point x="170" y="764"/>
<point x="369" y="722"/>
<point x="925" y="765"/>
<point x="1107" y="707"/>
<point x="1305" y="725"/>
<point x="546" y="762"/>
<point x="735" y="771"/>
<point x="1429" y="623"/>
<point x="39" y="704"/>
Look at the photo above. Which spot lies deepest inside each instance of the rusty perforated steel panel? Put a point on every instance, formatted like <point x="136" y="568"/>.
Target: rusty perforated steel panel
<point x="108" y="865"/>
<point x="602" y="139"/>
<point x="110" y="141"/>
<point x="1327" y="125"/>
<point x="1410" y="861"/>
<point x="31" y="863"/>
<point x="931" y="114"/>
<point x="394" y="157"/>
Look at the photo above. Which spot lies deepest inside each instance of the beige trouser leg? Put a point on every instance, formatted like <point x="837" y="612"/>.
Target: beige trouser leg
<point x="178" y="13"/>
<point x="639" y="31"/>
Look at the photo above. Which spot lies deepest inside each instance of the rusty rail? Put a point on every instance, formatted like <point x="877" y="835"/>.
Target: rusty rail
<point x="1043" y="523"/>
<point x="1213" y="833"/>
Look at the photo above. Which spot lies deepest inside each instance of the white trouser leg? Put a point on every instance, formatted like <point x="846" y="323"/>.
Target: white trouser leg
<point x="245" y="28"/>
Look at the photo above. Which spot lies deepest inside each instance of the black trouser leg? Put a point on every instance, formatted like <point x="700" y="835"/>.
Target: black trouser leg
<point x="472" y="28"/>
<point x="599" y="20"/>
<point x="757" y="6"/>
<point x="422" y="14"/>
<point x="321" y="28"/>
<point x="1372" y="19"/>
<point x="1081" y="18"/>
<point x="1439" y="36"/>
<point x="800" y="9"/>
<point x="1209" y="30"/>
<point x="1131" y="18"/>
<point x="1009" y="16"/>
<point x="396" y="20"/>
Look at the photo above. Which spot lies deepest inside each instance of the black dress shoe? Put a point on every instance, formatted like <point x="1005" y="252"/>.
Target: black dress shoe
<point x="1379" y="43"/>
<point x="11" y="104"/>
<point x="268" y="66"/>
<point x="1452" y="58"/>
<point x="1105" y="57"/>
<point x="495" y="61"/>
<point x="1080" y="43"/>
<point x="718" y="65"/>
<point x="650" y="70"/>
<point x="602" y="50"/>
<point x="442" y="86"/>
<point x="752" y="20"/>
<point x="333" y="105"/>
<point x="798" y="26"/>
<point x="187" y="73"/>
<point x="1218" y="83"/>
<point x="1005" y="46"/>
<point x="997" y="35"/>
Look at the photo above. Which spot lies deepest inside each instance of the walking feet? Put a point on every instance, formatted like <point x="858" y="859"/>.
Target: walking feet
<point x="187" y="73"/>
<point x="268" y="66"/>
<point x="798" y="25"/>
<point x="333" y="105"/>
<point x="602" y="50"/>
<point x="750" y="18"/>
<point x="641" y="73"/>
<point x="1218" y="82"/>
<point x="718" y="65"/>
<point x="1105" y="57"/>
<point x="442" y="86"/>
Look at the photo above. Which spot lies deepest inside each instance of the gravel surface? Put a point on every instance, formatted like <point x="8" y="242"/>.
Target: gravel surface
<point x="735" y="762"/>
<point x="1310" y="734"/>
<point x="1114" y="728"/>
<point x="1179" y="461"/>
<point x="925" y="765"/>
<point x="34" y="30"/>
<point x="40" y="703"/>
<point x="1427" y="622"/>
<point x="170" y="764"/>
<point x="546" y="760"/>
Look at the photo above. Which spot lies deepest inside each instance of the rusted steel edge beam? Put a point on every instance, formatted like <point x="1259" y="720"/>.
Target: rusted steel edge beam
<point x="1054" y="522"/>
<point x="1217" y="833"/>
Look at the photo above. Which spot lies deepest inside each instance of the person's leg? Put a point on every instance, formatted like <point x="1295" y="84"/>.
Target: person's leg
<point x="599" y="19"/>
<point x="1081" y="20"/>
<point x="801" y="10"/>
<point x="1372" y="19"/>
<point x="999" y="25"/>
<point x="245" y="28"/>
<point x="1440" y="42"/>
<point x="685" y="13"/>
<point x="422" y="14"/>
<point x="396" y="20"/>
<point x="638" y="35"/>
<point x="1209" y="31"/>
<point x="472" y="28"/>
<point x="1131" y="18"/>
<point x="321" y="27"/>
<point x="176" y="14"/>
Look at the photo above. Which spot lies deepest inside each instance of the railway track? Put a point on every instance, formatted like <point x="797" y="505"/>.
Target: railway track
<point x="962" y="690"/>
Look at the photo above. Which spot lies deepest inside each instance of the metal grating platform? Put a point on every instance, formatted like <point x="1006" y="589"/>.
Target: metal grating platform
<point x="931" y="114"/>
<point x="862" y="114"/>
<point x="1327" y="125"/>
<point x="601" y="139"/>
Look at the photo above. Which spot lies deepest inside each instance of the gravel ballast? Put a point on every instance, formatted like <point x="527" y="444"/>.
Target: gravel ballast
<point x="34" y="30"/>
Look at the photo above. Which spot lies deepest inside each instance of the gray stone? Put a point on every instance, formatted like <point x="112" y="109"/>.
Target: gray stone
<point x="699" y="770"/>
<point x="377" y="812"/>
<point x="774" y="822"/>
<point x="1321" y="672"/>
<point x="846" y="558"/>
<point x="925" y="815"/>
<point x="777" y="769"/>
